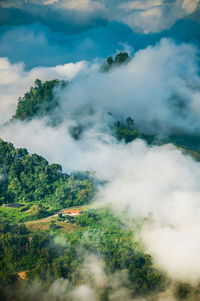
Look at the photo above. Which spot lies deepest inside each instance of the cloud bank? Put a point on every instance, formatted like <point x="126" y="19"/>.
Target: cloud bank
<point x="164" y="183"/>
<point x="15" y="81"/>
<point x="160" y="89"/>
<point x="141" y="181"/>
<point x="145" y="16"/>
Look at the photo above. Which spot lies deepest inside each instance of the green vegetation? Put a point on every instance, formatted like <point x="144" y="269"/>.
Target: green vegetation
<point x="120" y="59"/>
<point x="13" y="215"/>
<point x="61" y="251"/>
<point x="29" y="179"/>
<point x="126" y="131"/>
<point x="39" y="101"/>
<point x="57" y="247"/>
<point x="109" y="236"/>
<point x="183" y="291"/>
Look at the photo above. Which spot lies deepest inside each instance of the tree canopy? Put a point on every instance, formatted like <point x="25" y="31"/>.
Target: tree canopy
<point x="39" y="101"/>
<point x="31" y="179"/>
<point x="120" y="59"/>
<point x="97" y="232"/>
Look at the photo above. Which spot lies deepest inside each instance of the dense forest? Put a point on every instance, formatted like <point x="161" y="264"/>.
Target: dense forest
<point x="61" y="250"/>
<point x="99" y="150"/>
<point x="39" y="101"/>
<point x="29" y="179"/>
<point x="41" y="189"/>
<point x="60" y="247"/>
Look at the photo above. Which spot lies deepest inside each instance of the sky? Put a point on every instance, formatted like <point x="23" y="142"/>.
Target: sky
<point x="159" y="88"/>
<point x="56" y="32"/>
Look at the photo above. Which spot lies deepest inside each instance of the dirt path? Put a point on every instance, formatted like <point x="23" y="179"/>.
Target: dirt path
<point x="42" y="220"/>
<point x="48" y="218"/>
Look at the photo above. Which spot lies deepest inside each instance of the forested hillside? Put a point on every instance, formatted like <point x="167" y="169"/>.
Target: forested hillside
<point x="30" y="179"/>
<point x="99" y="150"/>
<point x="63" y="249"/>
<point x="39" y="101"/>
<point x="59" y="247"/>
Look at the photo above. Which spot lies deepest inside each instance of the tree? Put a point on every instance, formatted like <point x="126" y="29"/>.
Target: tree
<point x="30" y="178"/>
<point x="110" y="61"/>
<point x="39" y="100"/>
<point x="35" y="211"/>
<point x="38" y="82"/>
<point x="130" y="122"/>
<point x="120" y="58"/>
<point x="60" y="215"/>
<point x="182" y="291"/>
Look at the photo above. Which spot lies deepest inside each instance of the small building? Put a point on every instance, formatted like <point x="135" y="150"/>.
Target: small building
<point x="72" y="212"/>
<point x="22" y="275"/>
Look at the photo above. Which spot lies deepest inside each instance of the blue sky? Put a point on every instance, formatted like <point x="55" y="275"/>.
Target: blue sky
<point x="47" y="33"/>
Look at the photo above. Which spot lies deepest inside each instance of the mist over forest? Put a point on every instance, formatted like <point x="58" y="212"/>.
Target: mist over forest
<point x="99" y="150"/>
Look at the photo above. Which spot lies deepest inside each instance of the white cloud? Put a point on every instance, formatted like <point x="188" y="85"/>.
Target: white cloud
<point x="144" y="15"/>
<point x="15" y="81"/>
<point x="160" y="180"/>
<point x="141" y="180"/>
<point x="47" y="2"/>
<point x="56" y="145"/>
<point x="160" y="89"/>
<point x="190" y="5"/>
<point x="147" y="20"/>
<point x="140" y="5"/>
<point x="84" y="293"/>
<point x="81" y="5"/>
<point x="155" y="16"/>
